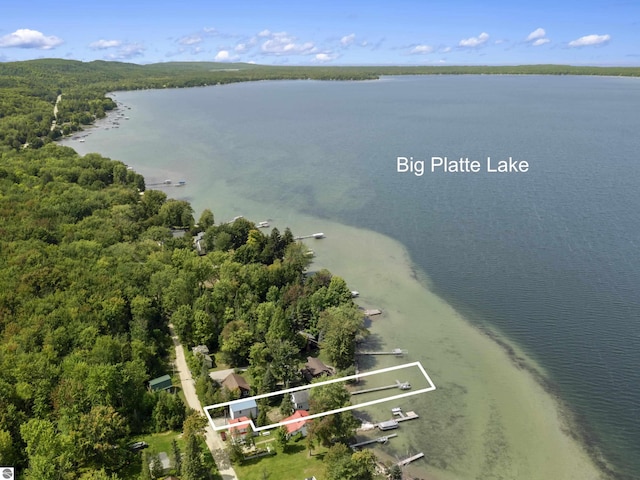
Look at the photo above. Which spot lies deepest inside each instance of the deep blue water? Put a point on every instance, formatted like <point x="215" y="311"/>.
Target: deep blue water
<point x="549" y="257"/>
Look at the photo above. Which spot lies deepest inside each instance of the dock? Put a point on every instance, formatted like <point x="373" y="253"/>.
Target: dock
<point x="398" y="352"/>
<point x="317" y="236"/>
<point x="398" y="384"/>
<point x="403" y="417"/>
<point x="384" y="439"/>
<point x="407" y="461"/>
<point x="372" y="312"/>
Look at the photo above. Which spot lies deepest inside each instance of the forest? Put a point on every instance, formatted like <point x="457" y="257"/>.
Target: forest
<point x="92" y="275"/>
<point x="29" y="89"/>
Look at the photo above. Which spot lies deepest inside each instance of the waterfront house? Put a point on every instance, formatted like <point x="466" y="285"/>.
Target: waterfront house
<point x="315" y="368"/>
<point x="297" y="427"/>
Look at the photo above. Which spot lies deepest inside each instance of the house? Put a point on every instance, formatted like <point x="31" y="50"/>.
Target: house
<point x="234" y="382"/>
<point x="198" y="243"/>
<point x="246" y="408"/>
<point x="160" y="383"/>
<point x="239" y="432"/>
<point x="315" y="368"/>
<point x="297" y="427"/>
<point x="201" y="352"/>
<point x="300" y="400"/>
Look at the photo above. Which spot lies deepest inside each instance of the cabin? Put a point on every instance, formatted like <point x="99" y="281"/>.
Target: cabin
<point x="234" y="382"/>
<point x="300" y="400"/>
<point x="160" y="384"/>
<point x="247" y="408"/>
<point x="314" y="368"/>
<point x="297" y="427"/>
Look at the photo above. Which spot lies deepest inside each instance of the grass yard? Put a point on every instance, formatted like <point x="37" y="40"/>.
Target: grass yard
<point x="158" y="442"/>
<point x="295" y="464"/>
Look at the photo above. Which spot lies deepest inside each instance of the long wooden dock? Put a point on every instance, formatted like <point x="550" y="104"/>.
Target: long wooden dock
<point x="403" y="417"/>
<point x="398" y="352"/>
<point x="383" y="439"/>
<point x="398" y="384"/>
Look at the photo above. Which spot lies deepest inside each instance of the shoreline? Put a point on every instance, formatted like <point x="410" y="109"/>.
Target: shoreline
<point x="385" y="283"/>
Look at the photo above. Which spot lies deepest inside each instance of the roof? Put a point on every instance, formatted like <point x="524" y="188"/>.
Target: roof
<point x="295" y="426"/>
<point x="239" y="429"/>
<point x="202" y="349"/>
<point x="160" y="383"/>
<point x="233" y="381"/>
<point x="245" y="405"/>
<point x="316" y="367"/>
<point x="300" y="397"/>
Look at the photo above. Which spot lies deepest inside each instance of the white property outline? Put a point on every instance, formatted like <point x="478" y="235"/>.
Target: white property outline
<point x="314" y="385"/>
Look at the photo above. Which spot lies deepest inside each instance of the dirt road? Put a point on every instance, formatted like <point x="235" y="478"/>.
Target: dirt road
<point x="214" y="442"/>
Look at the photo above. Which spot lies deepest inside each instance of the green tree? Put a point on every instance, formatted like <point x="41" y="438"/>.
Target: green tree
<point x="282" y="438"/>
<point x="338" y="328"/>
<point x="338" y="426"/>
<point x="206" y="220"/>
<point x="193" y="467"/>
<point x="145" y="471"/>
<point x="177" y="456"/>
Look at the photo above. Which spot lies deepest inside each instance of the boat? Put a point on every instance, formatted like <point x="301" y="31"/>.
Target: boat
<point x="263" y="224"/>
<point x="355" y="293"/>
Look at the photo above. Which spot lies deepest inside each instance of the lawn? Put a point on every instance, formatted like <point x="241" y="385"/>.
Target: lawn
<point x="158" y="442"/>
<point x="295" y="464"/>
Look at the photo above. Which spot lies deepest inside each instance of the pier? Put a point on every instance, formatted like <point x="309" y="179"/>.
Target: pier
<point x="398" y="352"/>
<point x="401" y="386"/>
<point x="384" y="439"/>
<point x="403" y="417"/>
<point x="372" y="312"/>
<point x="317" y="236"/>
<point x="407" y="461"/>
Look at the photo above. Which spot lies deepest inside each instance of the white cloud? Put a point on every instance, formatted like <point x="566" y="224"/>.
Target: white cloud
<point x="325" y="57"/>
<point x="103" y="44"/>
<point x="445" y="50"/>
<point x="537" y="33"/>
<point x="190" y="40"/>
<point x="474" y="42"/>
<point x="589" y="40"/>
<point x="225" y="56"/>
<point x="281" y="43"/>
<point x="348" y="39"/>
<point x="25" y="38"/>
<point x="127" y="51"/>
<point x="540" y="41"/>
<point x="421" y="49"/>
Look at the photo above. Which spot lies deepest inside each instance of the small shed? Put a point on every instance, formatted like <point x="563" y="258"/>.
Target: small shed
<point x="247" y="408"/>
<point x="201" y="352"/>
<point x="160" y="383"/>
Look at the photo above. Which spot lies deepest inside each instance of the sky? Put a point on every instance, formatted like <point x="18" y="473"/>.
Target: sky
<point x="310" y="32"/>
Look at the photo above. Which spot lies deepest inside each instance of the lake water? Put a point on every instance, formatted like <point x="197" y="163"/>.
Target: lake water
<point x="546" y="261"/>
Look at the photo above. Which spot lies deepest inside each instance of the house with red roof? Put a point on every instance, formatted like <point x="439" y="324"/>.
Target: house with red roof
<point x="297" y="427"/>
<point x="239" y="432"/>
